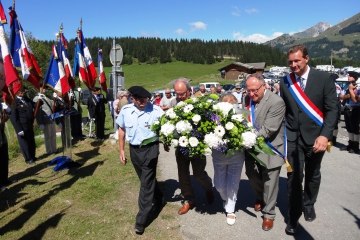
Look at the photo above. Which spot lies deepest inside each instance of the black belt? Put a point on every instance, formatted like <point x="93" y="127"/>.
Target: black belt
<point x="145" y="146"/>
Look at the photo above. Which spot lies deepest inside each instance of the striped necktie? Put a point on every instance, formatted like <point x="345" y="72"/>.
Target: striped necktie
<point x="301" y="83"/>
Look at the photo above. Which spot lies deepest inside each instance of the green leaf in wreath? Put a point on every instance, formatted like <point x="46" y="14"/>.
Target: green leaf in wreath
<point x="257" y="159"/>
<point x="148" y="140"/>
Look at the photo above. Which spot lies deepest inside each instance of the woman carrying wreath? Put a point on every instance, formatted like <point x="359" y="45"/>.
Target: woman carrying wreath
<point x="227" y="173"/>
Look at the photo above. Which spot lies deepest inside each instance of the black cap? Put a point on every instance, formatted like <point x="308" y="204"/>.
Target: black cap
<point x="94" y="89"/>
<point x="139" y="92"/>
<point x="354" y="74"/>
<point x="334" y="76"/>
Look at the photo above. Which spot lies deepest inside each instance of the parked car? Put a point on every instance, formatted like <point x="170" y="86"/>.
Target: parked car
<point x="228" y="87"/>
<point x="209" y="84"/>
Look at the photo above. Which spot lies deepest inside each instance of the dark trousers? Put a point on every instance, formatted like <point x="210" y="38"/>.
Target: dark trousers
<point x="99" y="126"/>
<point x="198" y="164"/>
<point x="145" y="161"/>
<point x="76" y="128"/>
<point x="301" y="157"/>
<point x="27" y="144"/>
<point x="4" y="164"/>
<point x="352" y="120"/>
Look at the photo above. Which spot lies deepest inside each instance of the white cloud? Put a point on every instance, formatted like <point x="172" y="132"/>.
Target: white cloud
<point x="256" y="37"/>
<point x="236" y="12"/>
<point x="180" y="31"/>
<point x="252" y="10"/>
<point x="197" y="26"/>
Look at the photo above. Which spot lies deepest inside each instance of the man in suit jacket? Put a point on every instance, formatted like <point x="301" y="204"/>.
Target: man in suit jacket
<point x="96" y="107"/>
<point x="307" y="137"/>
<point x="22" y="118"/>
<point x="269" y="111"/>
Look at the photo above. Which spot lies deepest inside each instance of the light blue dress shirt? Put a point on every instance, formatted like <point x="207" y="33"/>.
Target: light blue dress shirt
<point x="137" y="123"/>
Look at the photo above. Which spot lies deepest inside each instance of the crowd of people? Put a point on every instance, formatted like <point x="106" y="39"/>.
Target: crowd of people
<point x="297" y="117"/>
<point x="302" y="106"/>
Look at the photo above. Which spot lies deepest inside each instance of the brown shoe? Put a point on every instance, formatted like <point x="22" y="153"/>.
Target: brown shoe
<point x="258" y="205"/>
<point x="267" y="224"/>
<point x="185" y="208"/>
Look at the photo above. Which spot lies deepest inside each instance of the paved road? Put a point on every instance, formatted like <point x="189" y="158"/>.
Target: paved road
<point x="337" y="208"/>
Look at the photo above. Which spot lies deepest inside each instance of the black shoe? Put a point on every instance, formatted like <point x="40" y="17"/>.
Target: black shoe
<point x="348" y="147"/>
<point x="30" y="162"/>
<point x="9" y="182"/>
<point x="292" y="227"/>
<point x="309" y="214"/>
<point x="139" y="229"/>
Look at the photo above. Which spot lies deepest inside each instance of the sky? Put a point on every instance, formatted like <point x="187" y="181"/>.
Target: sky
<point x="256" y="21"/>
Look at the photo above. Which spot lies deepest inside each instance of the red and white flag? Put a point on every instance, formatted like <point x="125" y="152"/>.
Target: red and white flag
<point x="102" y="77"/>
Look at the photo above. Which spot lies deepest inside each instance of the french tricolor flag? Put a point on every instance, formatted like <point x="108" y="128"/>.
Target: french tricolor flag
<point x="21" y="52"/>
<point x="83" y="64"/>
<point x="55" y="76"/>
<point x="102" y="77"/>
<point x="9" y="75"/>
<point x="63" y="44"/>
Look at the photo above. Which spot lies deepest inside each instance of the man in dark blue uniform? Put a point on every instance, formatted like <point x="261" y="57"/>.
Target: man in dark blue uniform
<point x="134" y="123"/>
<point x="22" y="119"/>
<point x="96" y="107"/>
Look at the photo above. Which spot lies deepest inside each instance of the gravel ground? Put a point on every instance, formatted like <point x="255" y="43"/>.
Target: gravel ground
<point x="337" y="208"/>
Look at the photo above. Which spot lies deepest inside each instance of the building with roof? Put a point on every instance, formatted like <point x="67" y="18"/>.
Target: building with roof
<point x="237" y="70"/>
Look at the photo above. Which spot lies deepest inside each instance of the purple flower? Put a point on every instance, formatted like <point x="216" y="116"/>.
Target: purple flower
<point x="215" y="118"/>
<point x="222" y="148"/>
<point x="196" y="133"/>
<point x="184" y="151"/>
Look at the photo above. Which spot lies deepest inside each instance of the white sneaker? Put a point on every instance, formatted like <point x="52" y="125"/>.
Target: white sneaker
<point x="230" y="218"/>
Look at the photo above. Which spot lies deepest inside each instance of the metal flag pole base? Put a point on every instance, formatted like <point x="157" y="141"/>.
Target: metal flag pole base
<point x="65" y="162"/>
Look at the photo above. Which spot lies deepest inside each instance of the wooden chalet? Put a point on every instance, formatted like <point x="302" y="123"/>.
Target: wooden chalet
<point x="236" y="69"/>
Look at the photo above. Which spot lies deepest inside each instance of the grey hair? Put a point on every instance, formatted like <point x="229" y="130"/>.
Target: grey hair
<point x="201" y="85"/>
<point x="257" y="76"/>
<point x="119" y="94"/>
<point x="184" y="81"/>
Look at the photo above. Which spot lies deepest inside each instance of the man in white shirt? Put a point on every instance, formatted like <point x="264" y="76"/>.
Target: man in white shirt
<point x="165" y="101"/>
<point x="238" y="94"/>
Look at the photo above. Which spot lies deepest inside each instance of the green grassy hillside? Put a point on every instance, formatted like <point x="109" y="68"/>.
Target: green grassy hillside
<point x="157" y="76"/>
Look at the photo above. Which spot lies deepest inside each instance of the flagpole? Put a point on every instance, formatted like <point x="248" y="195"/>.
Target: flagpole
<point x="13" y="5"/>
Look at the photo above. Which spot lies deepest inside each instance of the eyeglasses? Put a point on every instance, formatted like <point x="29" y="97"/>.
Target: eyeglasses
<point x="167" y="93"/>
<point x="254" y="90"/>
<point x="157" y="95"/>
<point x="181" y="94"/>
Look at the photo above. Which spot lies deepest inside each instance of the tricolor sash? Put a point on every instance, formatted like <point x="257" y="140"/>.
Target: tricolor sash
<point x="302" y="100"/>
<point x="248" y="107"/>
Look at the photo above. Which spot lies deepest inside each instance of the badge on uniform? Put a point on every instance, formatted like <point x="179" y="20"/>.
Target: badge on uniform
<point x="21" y="105"/>
<point x="147" y="125"/>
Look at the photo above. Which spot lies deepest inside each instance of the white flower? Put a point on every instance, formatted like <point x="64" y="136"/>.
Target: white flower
<point x="249" y="124"/>
<point x="183" y="126"/>
<point x="229" y="126"/>
<point x="156" y="122"/>
<point x="249" y="139"/>
<point x="196" y="119"/>
<point x="181" y="104"/>
<point x="183" y="141"/>
<point x="193" y="141"/>
<point x="195" y="100"/>
<point x="174" y="142"/>
<point x="167" y="129"/>
<point x="188" y="108"/>
<point x="207" y="151"/>
<point x="219" y="131"/>
<point x="224" y="107"/>
<point x="209" y="100"/>
<point x="211" y="140"/>
<point x="171" y="114"/>
<point x="237" y="117"/>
